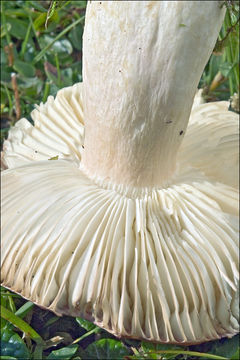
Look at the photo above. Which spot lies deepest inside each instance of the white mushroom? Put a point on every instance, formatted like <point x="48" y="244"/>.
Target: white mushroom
<point x="133" y="227"/>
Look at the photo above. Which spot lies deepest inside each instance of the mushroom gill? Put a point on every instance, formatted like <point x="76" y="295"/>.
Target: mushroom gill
<point x="134" y="226"/>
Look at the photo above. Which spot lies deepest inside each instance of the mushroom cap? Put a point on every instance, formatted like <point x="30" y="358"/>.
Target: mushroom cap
<point x="58" y="130"/>
<point x="157" y="264"/>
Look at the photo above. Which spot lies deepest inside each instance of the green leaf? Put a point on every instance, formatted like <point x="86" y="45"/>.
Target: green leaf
<point x="236" y="356"/>
<point x="75" y="36"/>
<point x="6" y="334"/>
<point x="87" y="325"/>
<point x="13" y="345"/>
<point x="106" y="349"/>
<point x="64" y="353"/>
<point x="60" y="46"/>
<point x="16" y="12"/>
<point x="20" y="324"/>
<point x="24" y="68"/>
<point x="39" y="22"/>
<point x="18" y="27"/>
<point x="225" y="347"/>
<point x="63" y="46"/>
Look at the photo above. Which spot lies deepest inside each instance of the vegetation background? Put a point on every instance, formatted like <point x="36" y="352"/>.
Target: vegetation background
<point x="41" y="44"/>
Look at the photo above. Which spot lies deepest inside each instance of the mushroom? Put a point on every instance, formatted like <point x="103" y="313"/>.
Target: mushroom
<point x="133" y="225"/>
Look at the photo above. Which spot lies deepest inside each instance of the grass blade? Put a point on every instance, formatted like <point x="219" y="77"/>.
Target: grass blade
<point x="85" y="335"/>
<point x="24" y="310"/>
<point x="20" y="324"/>
<point x="68" y="28"/>
<point x="191" y="353"/>
<point x="25" y="42"/>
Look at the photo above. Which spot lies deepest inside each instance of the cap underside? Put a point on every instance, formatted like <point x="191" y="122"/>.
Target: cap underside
<point x="154" y="264"/>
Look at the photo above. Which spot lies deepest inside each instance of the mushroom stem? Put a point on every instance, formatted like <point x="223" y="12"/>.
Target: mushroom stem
<point x="141" y="69"/>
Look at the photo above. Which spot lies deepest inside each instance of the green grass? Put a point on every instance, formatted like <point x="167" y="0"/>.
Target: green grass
<point x="220" y="79"/>
<point x="42" y="48"/>
<point x="41" y="45"/>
